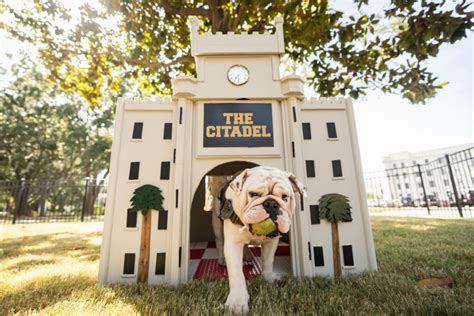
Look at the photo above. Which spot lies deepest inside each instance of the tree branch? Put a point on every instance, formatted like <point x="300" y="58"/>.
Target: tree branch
<point x="170" y="9"/>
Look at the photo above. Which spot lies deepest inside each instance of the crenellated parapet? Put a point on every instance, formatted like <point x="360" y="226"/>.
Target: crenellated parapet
<point x="237" y="43"/>
<point x="325" y="103"/>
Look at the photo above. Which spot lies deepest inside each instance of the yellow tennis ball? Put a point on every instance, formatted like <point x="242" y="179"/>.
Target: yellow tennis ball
<point x="264" y="227"/>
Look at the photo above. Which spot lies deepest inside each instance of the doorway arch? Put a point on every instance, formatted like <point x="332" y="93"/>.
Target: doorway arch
<point x="200" y="229"/>
<point x="203" y="260"/>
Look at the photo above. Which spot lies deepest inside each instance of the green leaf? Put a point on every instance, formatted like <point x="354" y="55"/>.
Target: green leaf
<point x="147" y="197"/>
<point x="335" y="208"/>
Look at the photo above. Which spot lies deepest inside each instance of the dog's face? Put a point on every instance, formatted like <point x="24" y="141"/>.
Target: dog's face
<point x="263" y="192"/>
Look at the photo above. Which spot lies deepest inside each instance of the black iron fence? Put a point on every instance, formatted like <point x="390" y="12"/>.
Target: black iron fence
<point x="52" y="201"/>
<point x="441" y="187"/>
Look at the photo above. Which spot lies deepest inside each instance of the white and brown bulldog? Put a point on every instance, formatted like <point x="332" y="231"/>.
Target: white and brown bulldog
<point x="251" y="197"/>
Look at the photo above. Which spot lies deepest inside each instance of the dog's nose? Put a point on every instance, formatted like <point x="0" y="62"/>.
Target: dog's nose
<point x="272" y="207"/>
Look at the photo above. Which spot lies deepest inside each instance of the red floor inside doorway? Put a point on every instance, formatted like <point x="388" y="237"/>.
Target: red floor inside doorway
<point x="203" y="261"/>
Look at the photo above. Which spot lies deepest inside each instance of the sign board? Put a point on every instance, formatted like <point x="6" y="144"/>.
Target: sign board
<point x="238" y="125"/>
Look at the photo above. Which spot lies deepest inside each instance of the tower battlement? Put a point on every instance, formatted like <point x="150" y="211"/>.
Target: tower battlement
<point x="237" y="43"/>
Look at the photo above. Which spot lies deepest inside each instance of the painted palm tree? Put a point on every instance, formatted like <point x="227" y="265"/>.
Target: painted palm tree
<point x="335" y="208"/>
<point x="146" y="198"/>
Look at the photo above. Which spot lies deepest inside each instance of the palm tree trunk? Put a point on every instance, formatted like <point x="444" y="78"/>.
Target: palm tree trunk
<point x="144" y="258"/>
<point x="336" y="254"/>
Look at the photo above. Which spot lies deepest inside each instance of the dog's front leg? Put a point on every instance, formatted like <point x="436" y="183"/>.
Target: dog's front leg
<point x="238" y="298"/>
<point x="268" y="255"/>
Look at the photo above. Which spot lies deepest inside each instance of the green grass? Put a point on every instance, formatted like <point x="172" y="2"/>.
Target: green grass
<point x="52" y="269"/>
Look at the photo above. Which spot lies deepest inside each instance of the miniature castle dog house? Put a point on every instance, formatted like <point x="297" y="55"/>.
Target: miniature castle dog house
<point x="237" y="112"/>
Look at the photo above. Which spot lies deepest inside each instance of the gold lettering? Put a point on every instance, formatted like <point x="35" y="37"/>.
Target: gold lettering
<point x="218" y="132"/>
<point x="256" y="131"/>
<point x="264" y="132"/>
<point x="236" y="131"/>
<point x="211" y="131"/>
<point x="248" y="118"/>
<point x="227" y="117"/>
<point x="247" y="131"/>
<point x="226" y="130"/>
<point x="238" y="118"/>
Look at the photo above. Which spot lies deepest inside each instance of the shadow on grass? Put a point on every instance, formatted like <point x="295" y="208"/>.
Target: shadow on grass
<point x="58" y="244"/>
<point x="42" y="292"/>
<point x="29" y="264"/>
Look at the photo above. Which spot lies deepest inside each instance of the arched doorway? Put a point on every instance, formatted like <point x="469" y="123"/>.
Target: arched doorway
<point x="202" y="248"/>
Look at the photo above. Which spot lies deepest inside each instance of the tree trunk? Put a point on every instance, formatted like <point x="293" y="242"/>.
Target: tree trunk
<point x="144" y="258"/>
<point x="336" y="254"/>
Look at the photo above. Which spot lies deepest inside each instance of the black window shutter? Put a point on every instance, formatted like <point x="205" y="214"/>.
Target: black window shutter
<point x="336" y="168"/>
<point x="348" y="256"/>
<point x="134" y="170"/>
<point x="137" y="130"/>
<point x="318" y="256"/>
<point x="160" y="263"/>
<point x="162" y="220"/>
<point x="331" y="130"/>
<point x="129" y="263"/>
<point x="306" y="130"/>
<point x="310" y="172"/>
<point x="131" y="218"/>
<point x="168" y="131"/>
<point x="314" y="210"/>
<point x="165" y="170"/>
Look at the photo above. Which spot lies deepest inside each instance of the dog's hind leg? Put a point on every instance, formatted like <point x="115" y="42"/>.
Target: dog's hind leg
<point x="268" y="256"/>
<point x="218" y="228"/>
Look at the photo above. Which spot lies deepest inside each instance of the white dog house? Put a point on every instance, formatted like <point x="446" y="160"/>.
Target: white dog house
<point x="238" y="112"/>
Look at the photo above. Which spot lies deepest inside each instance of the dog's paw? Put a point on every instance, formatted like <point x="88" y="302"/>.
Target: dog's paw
<point x="238" y="302"/>
<point x="271" y="277"/>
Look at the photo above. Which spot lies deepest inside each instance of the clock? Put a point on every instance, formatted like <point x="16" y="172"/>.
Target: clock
<point x="238" y="75"/>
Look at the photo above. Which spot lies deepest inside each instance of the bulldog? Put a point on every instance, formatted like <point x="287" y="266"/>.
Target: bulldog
<point x="251" y="197"/>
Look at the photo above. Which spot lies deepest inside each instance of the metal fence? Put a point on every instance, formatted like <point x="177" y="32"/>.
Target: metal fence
<point x="51" y="201"/>
<point x="442" y="187"/>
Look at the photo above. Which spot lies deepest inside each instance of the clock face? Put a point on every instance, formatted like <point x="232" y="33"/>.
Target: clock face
<point x="238" y="75"/>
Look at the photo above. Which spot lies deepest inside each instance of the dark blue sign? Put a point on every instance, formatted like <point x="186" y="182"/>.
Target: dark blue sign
<point x="238" y="125"/>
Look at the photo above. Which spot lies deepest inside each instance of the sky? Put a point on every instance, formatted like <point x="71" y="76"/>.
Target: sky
<point x="387" y="123"/>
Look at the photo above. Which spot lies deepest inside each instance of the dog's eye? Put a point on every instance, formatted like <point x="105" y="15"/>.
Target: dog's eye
<point x="284" y="197"/>
<point x="254" y="194"/>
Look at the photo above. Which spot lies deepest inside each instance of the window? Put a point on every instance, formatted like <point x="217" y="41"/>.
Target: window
<point x="131" y="218"/>
<point x="162" y="220"/>
<point x="168" y="130"/>
<point x="310" y="172"/>
<point x="306" y="130"/>
<point x="394" y="166"/>
<point x="134" y="170"/>
<point x="137" y="130"/>
<point x="336" y="168"/>
<point x="446" y="182"/>
<point x="314" y="210"/>
<point x="407" y="186"/>
<point x="399" y="186"/>
<point x="403" y="165"/>
<point x="331" y="127"/>
<point x="129" y="264"/>
<point x="347" y="255"/>
<point x="160" y="263"/>
<point x="165" y="170"/>
<point x="318" y="256"/>
<point x="432" y="184"/>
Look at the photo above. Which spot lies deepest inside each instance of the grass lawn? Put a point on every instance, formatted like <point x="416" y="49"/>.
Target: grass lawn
<point x="52" y="269"/>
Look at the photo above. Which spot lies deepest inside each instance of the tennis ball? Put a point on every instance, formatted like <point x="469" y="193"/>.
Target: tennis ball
<point x="264" y="227"/>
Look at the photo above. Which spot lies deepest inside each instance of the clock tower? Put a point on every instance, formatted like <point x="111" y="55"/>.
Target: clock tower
<point x="238" y="112"/>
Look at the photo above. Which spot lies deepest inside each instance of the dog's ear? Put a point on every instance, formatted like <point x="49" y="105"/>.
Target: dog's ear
<point x="237" y="184"/>
<point x="296" y="184"/>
